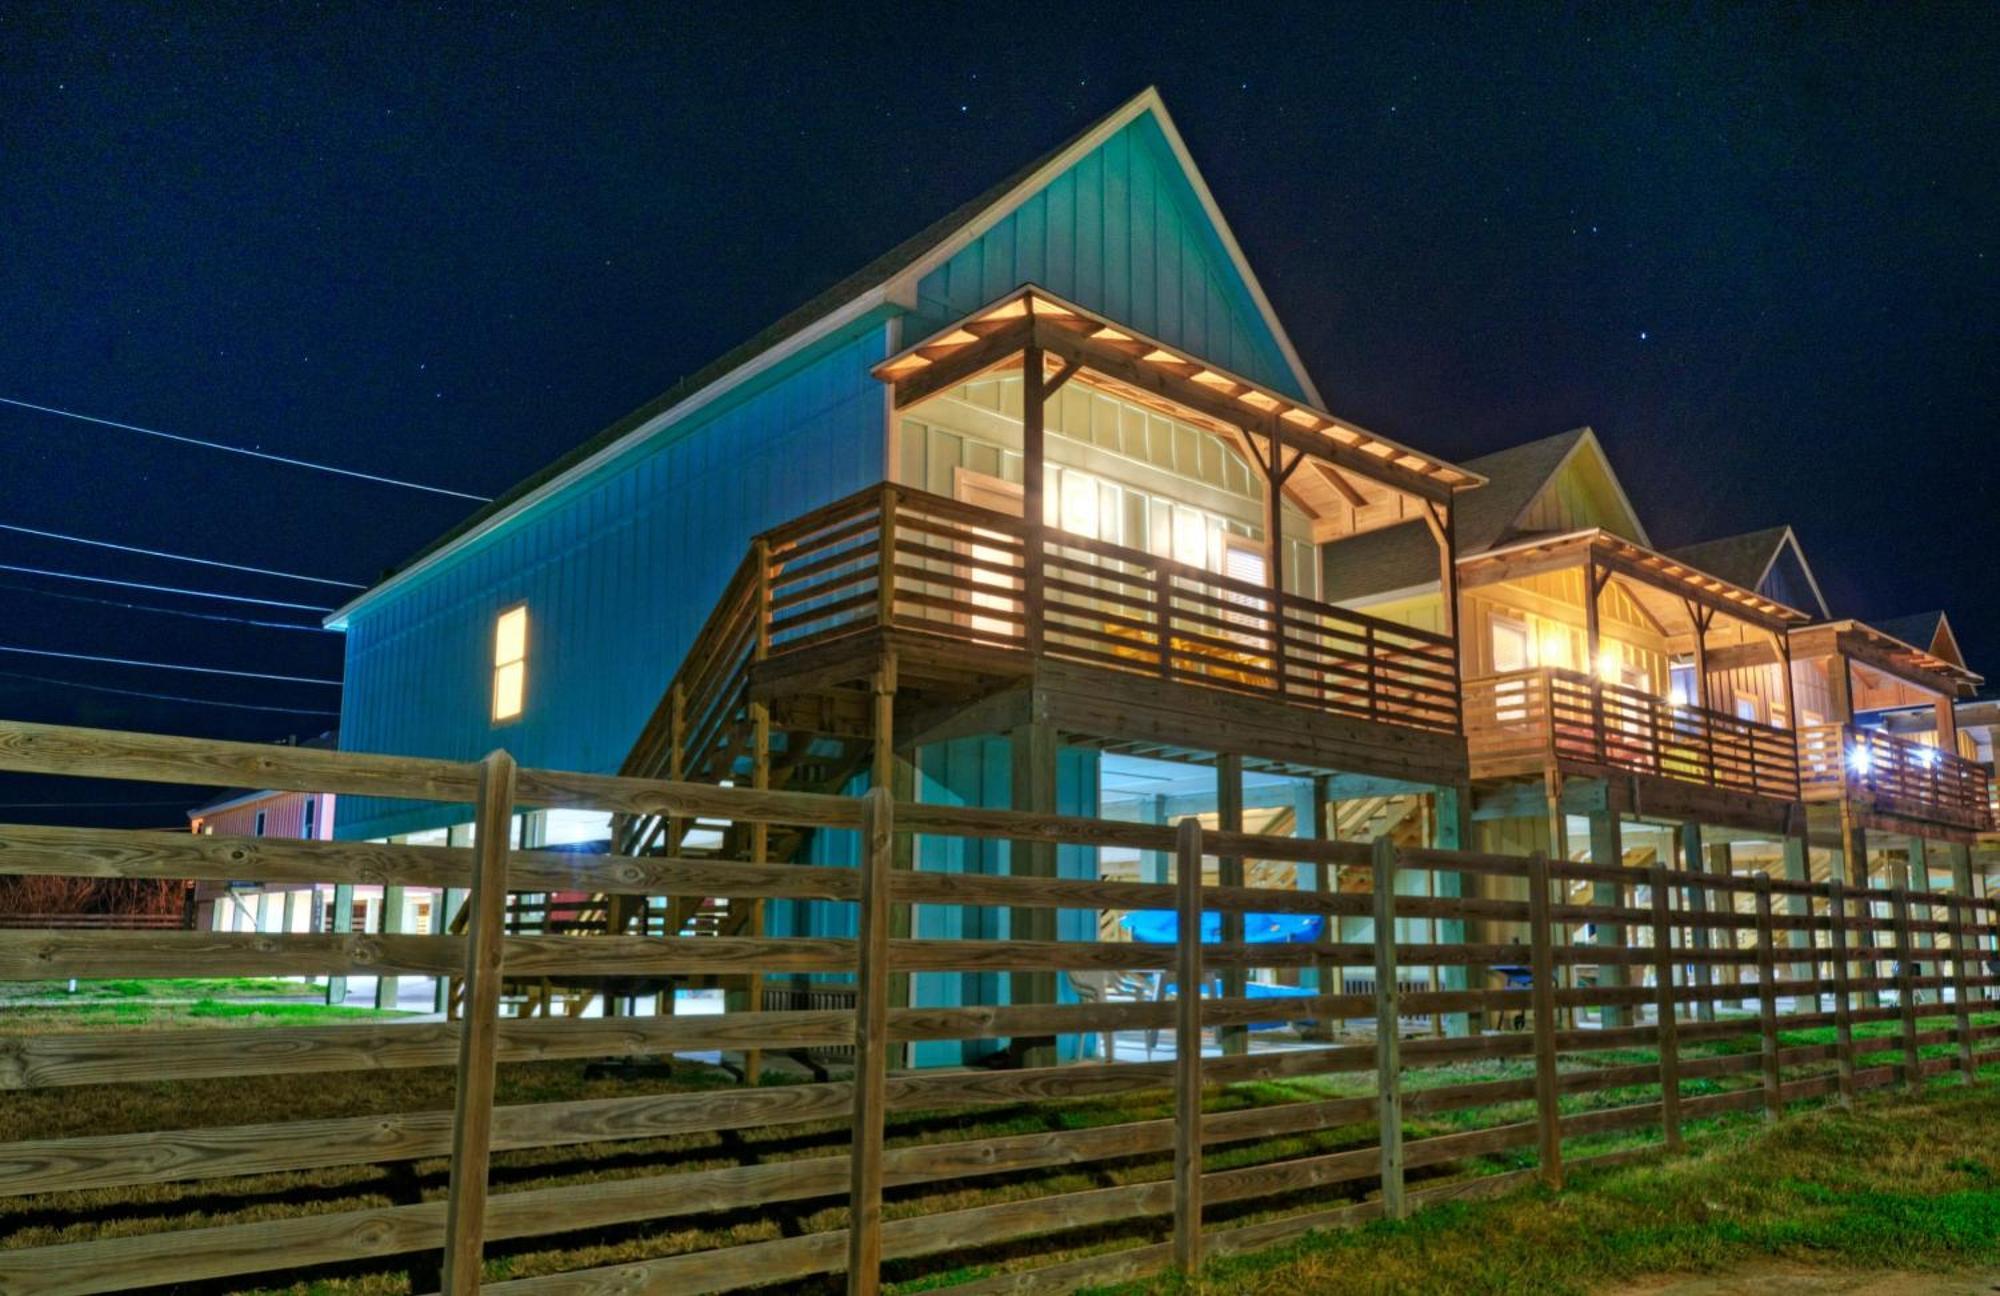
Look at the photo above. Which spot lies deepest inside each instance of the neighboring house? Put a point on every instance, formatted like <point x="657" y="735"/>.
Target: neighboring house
<point x="274" y="907"/>
<point x="996" y="519"/>
<point x="1699" y="704"/>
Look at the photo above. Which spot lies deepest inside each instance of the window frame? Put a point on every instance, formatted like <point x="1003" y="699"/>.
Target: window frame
<point x="497" y="667"/>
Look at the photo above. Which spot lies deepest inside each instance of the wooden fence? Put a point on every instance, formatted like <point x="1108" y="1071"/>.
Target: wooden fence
<point x="1711" y="974"/>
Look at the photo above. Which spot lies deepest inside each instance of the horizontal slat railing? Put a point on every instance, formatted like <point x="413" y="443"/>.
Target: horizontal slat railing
<point x="1707" y="976"/>
<point x="898" y="556"/>
<point x="1524" y="716"/>
<point x="1906" y="775"/>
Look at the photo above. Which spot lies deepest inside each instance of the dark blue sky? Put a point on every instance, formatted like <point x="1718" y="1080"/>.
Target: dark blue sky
<point x="1755" y="250"/>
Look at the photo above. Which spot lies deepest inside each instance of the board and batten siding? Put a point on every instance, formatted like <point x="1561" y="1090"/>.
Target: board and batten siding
<point x="619" y="572"/>
<point x="1144" y="465"/>
<point x="1122" y="232"/>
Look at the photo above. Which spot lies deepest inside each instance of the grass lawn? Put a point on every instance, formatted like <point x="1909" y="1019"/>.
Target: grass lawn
<point x="1909" y="1184"/>
<point x="1687" y="1213"/>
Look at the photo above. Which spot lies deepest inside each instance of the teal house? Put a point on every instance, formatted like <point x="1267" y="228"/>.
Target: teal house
<point x="1033" y="511"/>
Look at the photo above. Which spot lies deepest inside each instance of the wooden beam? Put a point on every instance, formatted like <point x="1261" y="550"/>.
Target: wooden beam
<point x="1125" y="366"/>
<point x="964" y="364"/>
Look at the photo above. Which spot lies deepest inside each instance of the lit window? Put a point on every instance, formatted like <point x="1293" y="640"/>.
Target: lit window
<point x="510" y="662"/>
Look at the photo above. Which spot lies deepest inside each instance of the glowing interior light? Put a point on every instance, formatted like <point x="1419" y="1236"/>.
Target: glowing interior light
<point x="1860" y="759"/>
<point x="1927" y="757"/>
<point x="1678" y="695"/>
<point x="1555" y="650"/>
<point x="1609" y="665"/>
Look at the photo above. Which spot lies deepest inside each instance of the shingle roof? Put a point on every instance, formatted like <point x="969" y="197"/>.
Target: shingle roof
<point x="1403" y="556"/>
<point x="1738" y="559"/>
<point x="1919" y="630"/>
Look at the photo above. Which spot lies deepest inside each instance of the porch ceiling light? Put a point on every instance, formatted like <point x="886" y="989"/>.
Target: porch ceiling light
<point x="1927" y="757"/>
<point x="1860" y="759"/>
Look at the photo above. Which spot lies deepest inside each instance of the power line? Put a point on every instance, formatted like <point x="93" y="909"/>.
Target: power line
<point x="165" y="697"/>
<point x="75" y="805"/>
<point x="179" y="612"/>
<point x="172" y="666"/>
<point x="159" y="553"/>
<point x="254" y="454"/>
<point x="160" y="589"/>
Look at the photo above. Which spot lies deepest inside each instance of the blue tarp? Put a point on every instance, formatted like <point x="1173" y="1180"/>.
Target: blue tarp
<point x="1163" y="926"/>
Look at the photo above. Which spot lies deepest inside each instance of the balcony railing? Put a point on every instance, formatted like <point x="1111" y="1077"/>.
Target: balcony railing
<point x="1899" y="774"/>
<point x="909" y="560"/>
<point x="1526" y="718"/>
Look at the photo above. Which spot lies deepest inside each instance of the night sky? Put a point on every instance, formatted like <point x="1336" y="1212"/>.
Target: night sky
<point x="1755" y="250"/>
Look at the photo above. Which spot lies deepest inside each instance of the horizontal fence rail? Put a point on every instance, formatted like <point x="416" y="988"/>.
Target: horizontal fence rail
<point x="1544" y="1009"/>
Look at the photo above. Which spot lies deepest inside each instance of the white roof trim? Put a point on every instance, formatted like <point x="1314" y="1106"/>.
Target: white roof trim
<point x="827" y="324"/>
<point x="1798" y="551"/>
<point x="1589" y="438"/>
<point x="903" y="286"/>
<point x="900" y="289"/>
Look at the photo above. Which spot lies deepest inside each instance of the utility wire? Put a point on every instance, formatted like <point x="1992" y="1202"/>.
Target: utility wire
<point x="164" y="697"/>
<point x="158" y="553"/>
<point x="254" y="454"/>
<point x="77" y="805"/>
<point x="179" y="612"/>
<point x="172" y="666"/>
<point x="160" y="589"/>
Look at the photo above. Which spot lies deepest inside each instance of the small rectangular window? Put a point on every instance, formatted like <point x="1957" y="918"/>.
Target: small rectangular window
<point x="307" y="824"/>
<point x="260" y="823"/>
<point x="510" y="662"/>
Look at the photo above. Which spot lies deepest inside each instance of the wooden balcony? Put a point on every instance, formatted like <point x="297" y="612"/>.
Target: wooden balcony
<point x="906" y="560"/>
<point x="1524" y="721"/>
<point x="1895" y="775"/>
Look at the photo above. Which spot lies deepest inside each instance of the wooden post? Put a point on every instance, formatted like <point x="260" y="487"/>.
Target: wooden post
<point x="1163" y="599"/>
<point x="1843" y="1002"/>
<point x="1767" y="998"/>
<point x="1187" y="1047"/>
<point x="479" y="1032"/>
<point x="1607" y="850"/>
<point x="1968" y="1065"/>
<point x="1229" y="869"/>
<point x="343" y="923"/>
<point x="1542" y="963"/>
<point x="760" y="853"/>
<point x="1388" y="1035"/>
<point x="387" y="988"/>
<point x="449" y="902"/>
<point x="1693" y="860"/>
<point x="1035" y="748"/>
<point x="1913" y="1078"/>
<point x="871" y="1047"/>
<point x="1326" y="880"/>
<point x="1663" y="1007"/>
<point x="1034" y="511"/>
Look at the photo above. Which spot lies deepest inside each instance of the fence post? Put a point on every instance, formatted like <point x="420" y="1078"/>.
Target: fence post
<point x="1187" y="1047"/>
<point x="1388" y="1033"/>
<point x="1666" y="1009"/>
<point x="479" y="1028"/>
<point x="1767" y="998"/>
<point x="1843" y="1007"/>
<point x="1913" y="1078"/>
<point x="871" y="1047"/>
<point x="1967" y="1064"/>
<point x="1542" y="968"/>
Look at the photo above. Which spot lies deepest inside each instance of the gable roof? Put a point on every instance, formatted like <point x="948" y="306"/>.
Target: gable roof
<point x="890" y="279"/>
<point x="1747" y="559"/>
<point x="1930" y="631"/>
<point x="1405" y="557"/>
